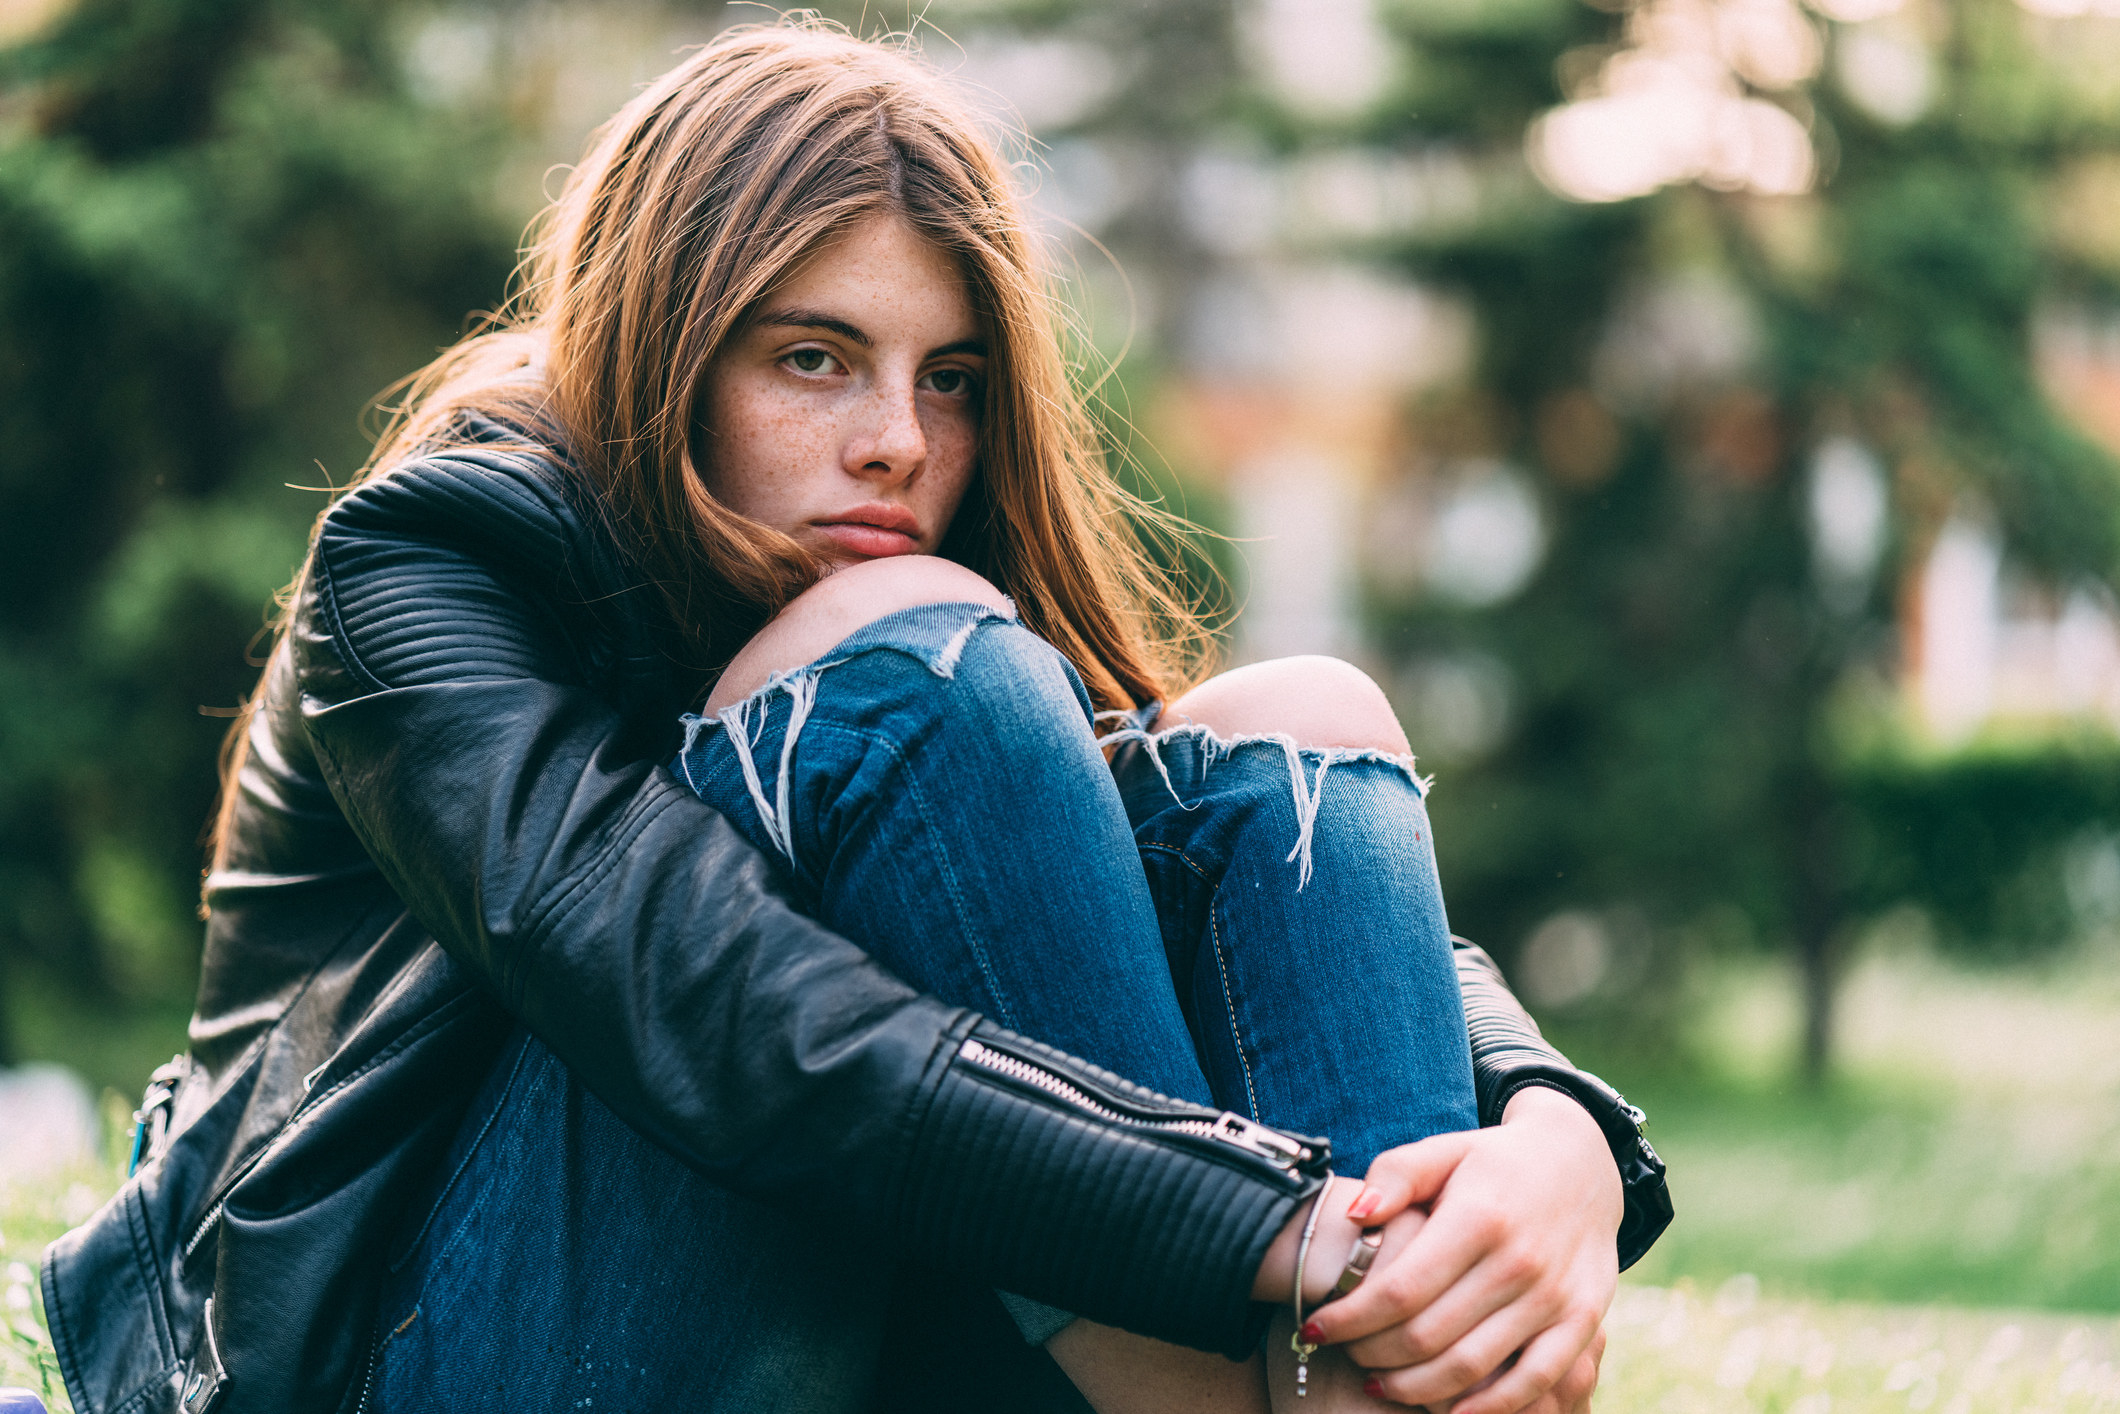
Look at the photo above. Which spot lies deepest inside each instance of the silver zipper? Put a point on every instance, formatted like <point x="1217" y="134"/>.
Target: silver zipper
<point x="212" y="1219"/>
<point x="375" y="1357"/>
<point x="206" y="1225"/>
<point x="1253" y="1138"/>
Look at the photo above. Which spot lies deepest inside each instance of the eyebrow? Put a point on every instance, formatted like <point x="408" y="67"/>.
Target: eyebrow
<point x="818" y="319"/>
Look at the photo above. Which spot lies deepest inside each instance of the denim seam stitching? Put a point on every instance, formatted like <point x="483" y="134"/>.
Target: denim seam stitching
<point x="973" y="938"/>
<point x="1187" y="860"/>
<point x="1229" y="1000"/>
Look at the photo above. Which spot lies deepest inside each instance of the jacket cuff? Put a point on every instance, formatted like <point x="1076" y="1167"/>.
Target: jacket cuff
<point x="1139" y="1228"/>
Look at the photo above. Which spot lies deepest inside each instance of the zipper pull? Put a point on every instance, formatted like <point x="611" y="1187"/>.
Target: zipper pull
<point x="1269" y="1144"/>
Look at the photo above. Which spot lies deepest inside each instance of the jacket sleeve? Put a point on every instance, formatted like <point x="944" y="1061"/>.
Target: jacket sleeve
<point x="633" y="931"/>
<point x="1509" y="1053"/>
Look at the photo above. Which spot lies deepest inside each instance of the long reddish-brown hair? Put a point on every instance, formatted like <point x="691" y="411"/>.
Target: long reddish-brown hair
<point x="692" y="204"/>
<point x="696" y="201"/>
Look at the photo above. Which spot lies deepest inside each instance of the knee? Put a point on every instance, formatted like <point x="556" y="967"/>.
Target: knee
<point x="1320" y="702"/>
<point x="838" y="605"/>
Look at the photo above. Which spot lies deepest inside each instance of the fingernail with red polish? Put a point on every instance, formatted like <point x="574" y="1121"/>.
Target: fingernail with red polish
<point x="1373" y="1387"/>
<point x="1312" y="1335"/>
<point x="1364" y="1204"/>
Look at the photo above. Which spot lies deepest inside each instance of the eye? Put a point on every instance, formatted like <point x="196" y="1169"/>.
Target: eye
<point x="811" y="361"/>
<point x="951" y="382"/>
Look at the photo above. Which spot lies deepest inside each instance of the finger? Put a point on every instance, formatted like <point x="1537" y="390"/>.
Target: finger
<point x="1572" y="1394"/>
<point x="1507" y="1281"/>
<point x="1463" y="1368"/>
<point x="1409" y="1174"/>
<point x="1456" y="1237"/>
<point x="1551" y="1355"/>
<point x="1498" y="1345"/>
<point x="1581" y="1382"/>
<point x="1398" y="1233"/>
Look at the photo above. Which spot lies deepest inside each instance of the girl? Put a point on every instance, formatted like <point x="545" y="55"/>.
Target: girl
<point x="555" y="1045"/>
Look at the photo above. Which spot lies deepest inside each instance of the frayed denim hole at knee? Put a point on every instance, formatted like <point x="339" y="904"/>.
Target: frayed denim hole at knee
<point x="744" y="723"/>
<point x="1211" y="746"/>
<point x="936" y="634"/>
<point x="933" y="634"/>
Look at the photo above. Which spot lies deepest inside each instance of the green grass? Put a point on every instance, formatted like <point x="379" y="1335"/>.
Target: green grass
<point x="30" y="1217"/>
<point x="1967" y="1151"/>
<point x="1682" y="1350"/>
<point x="1887" y="1199"/>
<point x="1938" y="1230"/>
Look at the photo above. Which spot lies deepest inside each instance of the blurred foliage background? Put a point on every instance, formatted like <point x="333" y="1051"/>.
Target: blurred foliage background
<point x="1699" y="413"/>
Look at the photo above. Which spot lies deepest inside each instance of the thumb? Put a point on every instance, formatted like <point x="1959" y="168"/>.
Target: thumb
<point x="1409" y="1174"/>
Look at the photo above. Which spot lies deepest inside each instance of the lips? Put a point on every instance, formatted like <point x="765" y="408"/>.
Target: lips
<point x="873" y="531"/>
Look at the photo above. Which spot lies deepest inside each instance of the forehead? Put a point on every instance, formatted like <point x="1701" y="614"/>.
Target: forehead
<point x="887" y="271"/>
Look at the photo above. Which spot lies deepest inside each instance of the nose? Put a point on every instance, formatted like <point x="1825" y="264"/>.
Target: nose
<point x="888" y="442"/>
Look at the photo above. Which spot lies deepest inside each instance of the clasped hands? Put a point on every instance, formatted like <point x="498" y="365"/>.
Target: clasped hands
<point x="1499" y="1261"/>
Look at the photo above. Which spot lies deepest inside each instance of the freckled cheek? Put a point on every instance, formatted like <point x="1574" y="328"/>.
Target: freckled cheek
<point x="768" y="448"/>
<point x="952" y="442"/>
<point x="953" y="457"/>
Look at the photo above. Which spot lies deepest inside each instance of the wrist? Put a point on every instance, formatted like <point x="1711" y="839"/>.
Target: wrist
<point x="1539" y="1103"/>
<point x="1565" y="1125"/>
<point x="1329" y="1246"/>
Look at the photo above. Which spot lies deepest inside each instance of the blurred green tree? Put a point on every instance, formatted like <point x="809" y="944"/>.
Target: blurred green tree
<point x="1686" y="660"/>
<point x="224" y="226"/>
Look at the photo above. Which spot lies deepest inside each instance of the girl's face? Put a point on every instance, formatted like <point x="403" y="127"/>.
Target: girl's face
<point x="846" y="412"/>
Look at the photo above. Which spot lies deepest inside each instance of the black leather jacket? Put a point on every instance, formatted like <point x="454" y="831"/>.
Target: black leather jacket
<point x="453" y="817"/>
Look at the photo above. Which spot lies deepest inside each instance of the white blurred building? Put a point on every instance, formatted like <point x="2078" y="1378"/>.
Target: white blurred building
<point x="1983" y="645"/>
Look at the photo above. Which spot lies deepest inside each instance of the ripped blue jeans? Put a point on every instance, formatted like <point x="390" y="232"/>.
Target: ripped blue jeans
<point x="1241" y="923"/>
<point x="1245" y="924"/>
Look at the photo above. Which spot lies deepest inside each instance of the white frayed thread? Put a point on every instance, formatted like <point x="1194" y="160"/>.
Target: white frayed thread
<point x="802" y="696"/>
<point x="1307" y="792"/>
<point x="801" y="686"/>
<point x="774" y="814"/>
<point x="1150" y="743"/>
<point x="1306" y="807"/>
<point x="693" y="724"/>
<point x="946" y="661"/>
